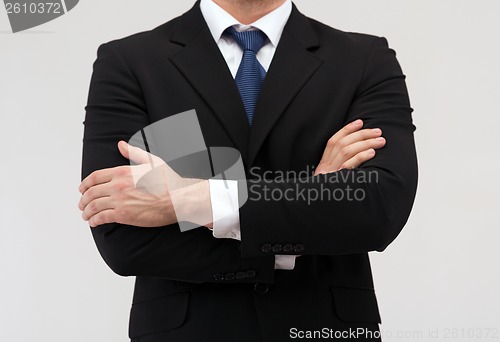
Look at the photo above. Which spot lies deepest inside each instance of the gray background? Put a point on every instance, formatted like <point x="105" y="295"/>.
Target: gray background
<point x="441" y="273"/>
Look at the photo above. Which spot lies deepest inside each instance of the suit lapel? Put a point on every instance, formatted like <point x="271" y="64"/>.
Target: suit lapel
<point x="202" y="64"/>
<point x="291" y="68"/>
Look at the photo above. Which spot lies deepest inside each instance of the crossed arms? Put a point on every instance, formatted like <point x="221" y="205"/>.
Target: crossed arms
<point x="120" y="212"/>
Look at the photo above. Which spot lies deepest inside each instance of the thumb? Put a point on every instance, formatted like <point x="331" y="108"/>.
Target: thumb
<point x="123" y="148"/>
<point x="135" y="154"/>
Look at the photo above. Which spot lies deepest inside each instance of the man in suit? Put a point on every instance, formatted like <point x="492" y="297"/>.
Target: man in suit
<point x="278" y="87"/>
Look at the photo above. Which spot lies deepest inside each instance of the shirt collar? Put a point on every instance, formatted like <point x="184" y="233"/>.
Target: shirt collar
<point x="272" y="24"/>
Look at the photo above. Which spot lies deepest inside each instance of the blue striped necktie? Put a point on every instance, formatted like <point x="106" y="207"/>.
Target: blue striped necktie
<point x="251" y="74"/>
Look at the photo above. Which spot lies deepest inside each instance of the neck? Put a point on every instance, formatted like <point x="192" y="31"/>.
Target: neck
<point x="249" y="11"/>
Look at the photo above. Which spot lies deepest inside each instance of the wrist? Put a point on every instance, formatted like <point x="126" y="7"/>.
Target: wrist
<point x="191" y="202"/>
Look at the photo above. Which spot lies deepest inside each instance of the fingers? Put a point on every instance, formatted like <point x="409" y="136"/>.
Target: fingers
<point x="348" y="135"/>
<point x="96" y="206"/>
<point x="352" y="163"/>
<point x="345" y="131"/>
<point x="347" y="157"/>
<point x="358" y="159"/>
<point x="360" y="135"/>
<point x="103" y="217"/>
<point x="95" y="192"/>
<point x="344" y="144"/>
<point x="349" y="151"/>
<point x="95" y="178"/>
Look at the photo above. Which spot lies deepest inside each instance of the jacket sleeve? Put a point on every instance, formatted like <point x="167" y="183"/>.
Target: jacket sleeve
<point x="115" y="111"/>
<point x="350" y="211"/>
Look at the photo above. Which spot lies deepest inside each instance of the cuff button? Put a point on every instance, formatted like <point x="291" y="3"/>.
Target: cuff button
<point x="266" y="248"/>
<point x="298" y="248"/>
<point x="277" y="248"/>
<point x="250" y="274"/>
<point x="218" y="277"/>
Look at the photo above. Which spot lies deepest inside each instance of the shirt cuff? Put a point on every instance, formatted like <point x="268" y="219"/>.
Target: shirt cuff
<point x="284" y="262"/>
<point x="226" y="217"/>
<point x="225" y="209"/>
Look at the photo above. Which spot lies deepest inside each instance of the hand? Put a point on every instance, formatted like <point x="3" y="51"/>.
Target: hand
<point x="143" y="195"/>
<point x="350" y="147"/>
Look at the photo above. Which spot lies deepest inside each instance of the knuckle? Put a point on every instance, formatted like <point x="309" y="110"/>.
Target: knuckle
<point x="93" y="206"/>
<point x="123" y="171"/>
<point x="105" y="217"/>
<point x="331" y="142"/>
<point x="89" y="193"/>
<point x="95" y="221"/>
<point x="86" y="215"/>
<point x="345" y="151"/>
<point x="121" y="186"/>
<point x="99" y="219"/>
<point x="341" y="143"/>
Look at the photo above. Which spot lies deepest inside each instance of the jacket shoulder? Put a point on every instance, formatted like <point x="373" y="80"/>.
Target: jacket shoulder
<point x="143" y="40"/>
<point x="349" y="41"/>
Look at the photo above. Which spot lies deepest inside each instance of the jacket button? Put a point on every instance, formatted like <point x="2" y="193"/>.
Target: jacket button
<point x="261" y="289"/>
<point x="266" y="248"/>
<point x="298" y="248"/>
<point x="250" y="274"/>
<point x="240" y="275"/>
<point x="277" y="248"/>
<point x="229" y="276"/>
<point x="288" y="248"/>
<point x="218" y="277"/>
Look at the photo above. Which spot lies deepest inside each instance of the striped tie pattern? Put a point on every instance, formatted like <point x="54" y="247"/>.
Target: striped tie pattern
<point x="251" y="74"/>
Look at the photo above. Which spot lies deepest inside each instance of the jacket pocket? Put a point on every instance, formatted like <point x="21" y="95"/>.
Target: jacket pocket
<point x="158" y="314"/>
<point x="355" y="304"/>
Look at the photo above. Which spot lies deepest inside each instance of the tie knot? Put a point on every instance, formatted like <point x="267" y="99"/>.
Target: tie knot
<point x="248" y="40"/>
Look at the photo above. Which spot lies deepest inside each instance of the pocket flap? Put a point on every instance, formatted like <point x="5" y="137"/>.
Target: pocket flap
<point x="356" y="305"/>
<point x="158" y="314"/>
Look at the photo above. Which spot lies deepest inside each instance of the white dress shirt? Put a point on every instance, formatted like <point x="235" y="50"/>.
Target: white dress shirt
<point x="225" y="208"/>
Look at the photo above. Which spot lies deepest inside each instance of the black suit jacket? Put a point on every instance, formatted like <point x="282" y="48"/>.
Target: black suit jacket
<point x="193" y="287"/>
